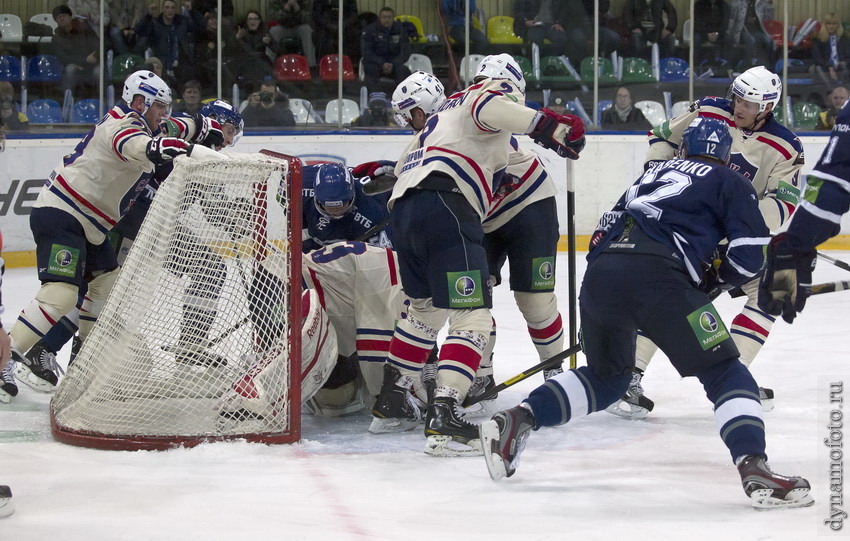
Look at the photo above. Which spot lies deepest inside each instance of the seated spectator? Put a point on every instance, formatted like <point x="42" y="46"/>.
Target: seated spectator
<point x="378" y="114"/>
<point x="645" y="21"/>
<point x="455" y="13"/>
<point x="385" y="50"/>
<point x="190" y="101"/>
<point x="747" y="33"/>
<point x="538" y="20"/>
<point x="89" y="11"/>
<point x="169" y="35"/>
<point x="268" y="108"/>
<point x="623" y="115"/>
<point x="558" y="104"/>
<point x="75" y="45"/>
<point x="124" y="15"/>
<point x="838" y="96"/>
<point x="831" y="50"/>
<point x="154" y="64"/>
<point x="10" y="118"/>
<point x="255" y="49"/>
<point x="206" y="53"/>
<point x="579" y="31"/>
<point x="326" y="26"/>
<point x="711" y="20"/>
<point x="293" y="21"/>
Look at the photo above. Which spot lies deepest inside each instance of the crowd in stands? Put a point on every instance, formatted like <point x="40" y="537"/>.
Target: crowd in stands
<point x="178" y="40"/>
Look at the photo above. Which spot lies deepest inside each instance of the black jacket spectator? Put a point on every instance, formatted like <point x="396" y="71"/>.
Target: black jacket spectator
<point x="76" y="46"/>
<point x="385" y="50"/>
<point x="711" y="21"/>
<point x="267" y="110"/>
<point x="170" y="35"/>
<point x="326" y="26"/>
<point x="645" y="22"/>
<point x="634" y="121"/>
<point x="532" y="30"/>
<point x="255" y="49"/>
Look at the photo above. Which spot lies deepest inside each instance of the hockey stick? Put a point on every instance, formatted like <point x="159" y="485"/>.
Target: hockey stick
<point x="829" y="287"/>
<point x="543" y="365"/>
<point x="837" y="262"/>
<point x="372" y="230"/>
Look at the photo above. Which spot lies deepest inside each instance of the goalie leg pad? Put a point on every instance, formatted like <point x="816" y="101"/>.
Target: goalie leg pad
<point x="53" y="300"/>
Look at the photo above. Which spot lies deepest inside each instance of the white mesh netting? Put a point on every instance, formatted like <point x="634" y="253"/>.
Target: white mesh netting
<point x="195" y="341"/>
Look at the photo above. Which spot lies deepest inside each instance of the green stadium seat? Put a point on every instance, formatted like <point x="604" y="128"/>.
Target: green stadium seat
<point x="606" y="70"/>
<point x="806" y="115"/>
<point x="637" y="70"/>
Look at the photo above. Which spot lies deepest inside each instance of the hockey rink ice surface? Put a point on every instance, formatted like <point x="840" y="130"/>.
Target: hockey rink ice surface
<point x="664" y="478"/>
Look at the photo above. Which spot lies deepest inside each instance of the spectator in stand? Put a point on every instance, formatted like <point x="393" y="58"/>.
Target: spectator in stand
<point x="538" y="20"/>
<point x="831" y="50"/>
<point x="154" y="64"/>
<point x="255" y="49"/>
<point x="558" y="104"/>
<point x="89" y="10"/>
<point x="268" y="108"/>
<point x="207" y="6"/>
<point x="455" y="13"/>
<point x="191" y="98"/>
<point x="206" y="53"/>
<point x="378" y="114"/>
<point x="75" y="45"/>
<point x="385" y="50"/>
<point x="579" y="31"/>
<point x="10" y="118"/>
<point x="169" y="35"/>
<point x="711" y="20"/>
<point x="623" y="115"/>
<point x="293" y="20"/>
<point x="124" y="15"/>
<point x="748" y="35"/>
<point x="838" y="96"/>
<point x="645" y="21"/>
<point x="609" y="39"/>
<point x="326" y="25"/>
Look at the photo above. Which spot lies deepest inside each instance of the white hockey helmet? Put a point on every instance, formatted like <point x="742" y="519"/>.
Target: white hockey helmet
<point x="421" y="90"/>
<point x="149" y="85"/>
<point x="501" y="66"/>
<point x="758" y="85"/>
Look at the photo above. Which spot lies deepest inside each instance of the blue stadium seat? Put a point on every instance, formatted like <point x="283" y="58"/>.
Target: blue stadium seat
<point x="603" y="105"/>
<point x="86" y="112"/>
<point x="674" y="69"/>
<point x="10" y="68"/>
<point x="44" y="68"/>
<point x="44" y="112"/>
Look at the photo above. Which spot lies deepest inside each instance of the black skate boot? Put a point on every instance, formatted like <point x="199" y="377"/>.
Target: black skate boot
<point x="396" y="409"/>
<point x="37" y="369"/>
<point x="766" y="398"/>
<point x="444" y="425"/>
<point x="8" y="387"/>
<point x="554" y="371"/>
<point x="633" y="405"/>
<point x="429" y="376"/>
<point x="480" y="385"/>
<point x="503" y="438"/>
<point x="768" y="490"/>
<point x="76" y="344"/>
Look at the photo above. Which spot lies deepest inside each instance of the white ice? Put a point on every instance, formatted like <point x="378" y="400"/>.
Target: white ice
<point x="601" y="477"/>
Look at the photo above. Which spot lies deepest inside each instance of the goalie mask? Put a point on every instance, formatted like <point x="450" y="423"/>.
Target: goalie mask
<point x="229" y="118"/>
<point x="501" y="66"/>
<point x="333" y="191"/>
<point x="148" y="85"/>
<point x="707" y="137"/>
<point x="758" y="85"/>
<point x="421" y="90"/>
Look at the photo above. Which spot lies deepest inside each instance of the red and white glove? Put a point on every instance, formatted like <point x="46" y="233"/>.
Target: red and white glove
<point x="208" y="132"/>
<point x="562" y="133"/>
<point x="374" y="169"/>
<point x="164" y="149"/>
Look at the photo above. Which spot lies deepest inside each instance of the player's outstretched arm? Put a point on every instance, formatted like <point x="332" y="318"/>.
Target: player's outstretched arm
<point x="562" y="133"/>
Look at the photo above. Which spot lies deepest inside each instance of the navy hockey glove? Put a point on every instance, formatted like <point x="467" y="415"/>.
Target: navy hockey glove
<point x="207" y="132"/>
<point x="562" y="133"/>
<point x="164" y="149"/>
<point x="380" y="175"/>
<point x="787" y="279"/>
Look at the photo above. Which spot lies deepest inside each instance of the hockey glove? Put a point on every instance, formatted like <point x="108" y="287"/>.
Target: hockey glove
<point x="207" y="132"/>
<point x="162" y="150"/>
<point x="712" y="284"/>
<point x="562" y="133"/>
<point x="380" y="174"/>
<point x="787" y="279"/>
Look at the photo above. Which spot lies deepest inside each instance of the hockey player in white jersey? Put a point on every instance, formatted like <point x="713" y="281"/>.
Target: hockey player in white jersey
<point x="770" y="156"/>
<point x="447" y="181"/>
<point x="82" y="200"/>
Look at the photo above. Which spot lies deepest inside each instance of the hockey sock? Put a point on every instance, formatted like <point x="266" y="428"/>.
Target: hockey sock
<point x="574" y="393"/>
<point x="61" y="333"/>
<point x="737" y="410"/>
<point x="644" y="350"/>
<point x="95" y="299"/>
<point x="460" y="354"/>
<point x="412" y="342"/>
<point x="545" y="326"/>
<point x="749" y="331"/>
<point x="53" y="300"/>
<point x="485" y="368"/>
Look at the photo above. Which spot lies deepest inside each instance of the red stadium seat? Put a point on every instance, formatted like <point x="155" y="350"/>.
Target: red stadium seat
<point x="776" y="31"/>
<point x="329" y="66"/>
<point x="292" y="67"/>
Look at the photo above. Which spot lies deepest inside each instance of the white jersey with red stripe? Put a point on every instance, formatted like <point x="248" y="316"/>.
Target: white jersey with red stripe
<point x="468" y="140"/>
<point x="770" y="157"/>
<point x="532" y="183"/>
<point x="108" y="168"/>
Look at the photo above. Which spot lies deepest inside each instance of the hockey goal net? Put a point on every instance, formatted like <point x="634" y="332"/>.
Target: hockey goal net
<point x="208" y="297"/>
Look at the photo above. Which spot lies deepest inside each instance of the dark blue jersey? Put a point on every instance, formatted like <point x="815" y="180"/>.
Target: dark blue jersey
<point x="689" y="206"/>
<point x="367" y="212"/>
<point x="827" y="194"/>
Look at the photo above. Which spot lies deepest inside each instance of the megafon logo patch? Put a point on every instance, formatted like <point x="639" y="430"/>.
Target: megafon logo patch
<point x="465" y="286"/>
<point x="708" y="322"/>
<point x="63" y="258"/>
<point x="545" y="270"/>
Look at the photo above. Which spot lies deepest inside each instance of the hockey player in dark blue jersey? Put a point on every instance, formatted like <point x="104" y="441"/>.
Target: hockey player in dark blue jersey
<point x="791" y="255"/>
<point x="648" y="268"/>
<point x="336" y="209"/>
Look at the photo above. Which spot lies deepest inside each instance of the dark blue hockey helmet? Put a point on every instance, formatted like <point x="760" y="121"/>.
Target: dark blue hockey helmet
<point x="227" y="115"/>
<point x="333" y="191"/>
<point x="707" y="137"/>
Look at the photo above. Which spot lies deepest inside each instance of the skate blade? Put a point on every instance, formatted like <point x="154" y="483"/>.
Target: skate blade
<point x="389" y="426"/>
<point x="25" y="376"/>
<point x="623" y="409"/>
<point x="489" y="433"/>
<point x="448" y="446"/>
<point x="767" y="404"/>
<point x="7" y="507"/>
<point x="6" y="397"/>
<point x="763" y="499"/>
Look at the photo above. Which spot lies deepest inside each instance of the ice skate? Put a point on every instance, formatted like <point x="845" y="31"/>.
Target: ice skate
<point x="8" y="387"/>
<point x="76" y="344"/>
<point x="429" y="380"/>
<point x="447" y="432"/>
<point x="480" y="385"/>
<point x="7" y="507"/>
<point x="768" y="490"/>
<point x="37" y="369"/>
<point x="552" y="372"/>
<point x="634" y="405"/>
<point x="503" y="438"/>
<point x="396" y="409"/>
<point x="766" y="398"/>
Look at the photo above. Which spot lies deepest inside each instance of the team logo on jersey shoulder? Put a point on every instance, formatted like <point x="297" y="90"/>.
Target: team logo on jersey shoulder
<point x="543" y="273"/>
<point x="465" y="289"/>
<point x="708" y="327"/>
<point x="63" y="260"/>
